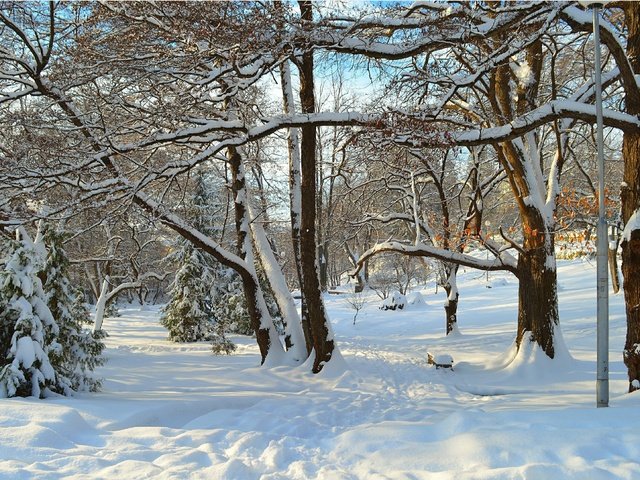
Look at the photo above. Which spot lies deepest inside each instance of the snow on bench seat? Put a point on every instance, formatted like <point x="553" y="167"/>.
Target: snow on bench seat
<point x="444" y="360"/>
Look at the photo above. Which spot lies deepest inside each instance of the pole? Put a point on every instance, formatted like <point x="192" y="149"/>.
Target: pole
<point x="602" y="356"/>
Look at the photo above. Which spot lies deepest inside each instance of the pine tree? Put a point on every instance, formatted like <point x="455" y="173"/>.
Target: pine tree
<point x="78" y="350"/>
<point x="190" y="315"/>
<point x="27" y="328"/>
<point x="229" y="303"/>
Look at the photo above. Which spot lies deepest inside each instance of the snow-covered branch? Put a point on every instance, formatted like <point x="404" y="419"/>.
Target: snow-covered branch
<point x="433" y="36"/>
<point x="137" y="283"/>
<point x="503" y="261"/>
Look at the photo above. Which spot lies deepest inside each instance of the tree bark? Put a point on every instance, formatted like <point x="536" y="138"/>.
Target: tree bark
<point x="538" y="288"/>
<point x="631" y="256"/>
<point x="295" y="193"/>
<point x="101" y="305"/>
<point x="451" y="303"/>
<point x="323" y="344"/>
<point x="613" y="264"/>
<point x="630" y="197"/>
<point x="260" y="321"/>
<point x="294" y="337"/>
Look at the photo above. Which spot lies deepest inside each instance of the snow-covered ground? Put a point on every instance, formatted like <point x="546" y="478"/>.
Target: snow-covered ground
<point x="175" y="411"/>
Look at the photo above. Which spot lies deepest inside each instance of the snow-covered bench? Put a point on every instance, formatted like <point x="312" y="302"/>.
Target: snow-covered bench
<point x="444" y="360"/>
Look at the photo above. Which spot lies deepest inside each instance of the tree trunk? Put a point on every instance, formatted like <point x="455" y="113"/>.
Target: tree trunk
<point x="613" y="263"/>
<point x="294" y="338"/>
<point x="451" y="303"/>
<point x="101" y="305"/>
<point x="323" y="344"/>
<point x="631" y="256"/>
<point x="537" y="292"/>
<point x="295" y="193"/>
<point x="256" y="307"/>
<point x="630" y="196"/>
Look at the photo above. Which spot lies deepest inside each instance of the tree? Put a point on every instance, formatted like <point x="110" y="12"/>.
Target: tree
<point x="193" y="314"/>
<point x="621" y="35"/>
<point x="28" y="330"/>
<point x="630" y="195"/>
<point x="45" y="343"/>
<point x="127" y="105"/>
<point x="78" y="350"/>
<point x="491" y="75"/>
<point x="157" y="92"/>
<point x="189" y="316"/>
<point x="322" y="339"/>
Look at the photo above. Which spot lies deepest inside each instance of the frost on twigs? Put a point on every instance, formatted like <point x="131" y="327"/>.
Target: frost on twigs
<point x="416" y="128"/>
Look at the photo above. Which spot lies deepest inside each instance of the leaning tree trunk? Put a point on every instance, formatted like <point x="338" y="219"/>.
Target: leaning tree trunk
<point x="537" y="292"/>
<point x="323" y="343"/>
<point x="294" y="337"/>
<point x="101" y="305"/>
<point x="630" y="197"/>
<point x="260" y="319"/>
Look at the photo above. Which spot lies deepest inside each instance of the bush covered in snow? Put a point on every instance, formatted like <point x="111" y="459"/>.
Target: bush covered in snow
<point x="395" y="301"/>
<point x="80" y="349"/>
<point x="416" y="299"/>
<point x="43" y="344"/>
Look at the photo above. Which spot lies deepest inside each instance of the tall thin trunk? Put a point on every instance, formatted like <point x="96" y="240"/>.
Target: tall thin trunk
<point x="320" y="212"/>
<point x="101" y="305"/>
<point x="613" y="263"/>
<point x="295" y="193"/>
<point x="323" y="343"/>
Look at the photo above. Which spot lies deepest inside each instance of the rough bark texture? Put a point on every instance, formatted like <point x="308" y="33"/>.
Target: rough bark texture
<point x="630" y="196"/>
<point x="537" y="295"/>
<point x="322" y="344"/>
<point x="250" y="283"/>
<point x="537" y="292"/>
<point x="613" y="269"/>
<point x="451" y="310"/>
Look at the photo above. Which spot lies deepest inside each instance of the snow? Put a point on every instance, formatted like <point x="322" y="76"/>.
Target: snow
<point x="173" y="411"/>
<point x="524" y="73"/>
<point x="632" y="225"/>
<point x="25" y="353"/>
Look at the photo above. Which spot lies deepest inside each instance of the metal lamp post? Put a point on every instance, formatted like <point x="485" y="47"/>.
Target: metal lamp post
<point x="602" y="355"/>
<point x="602" y="347"/>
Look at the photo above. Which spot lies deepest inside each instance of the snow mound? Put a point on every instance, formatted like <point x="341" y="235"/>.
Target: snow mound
<point x="416" y="299"/>
<point x="395" y="301"/>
